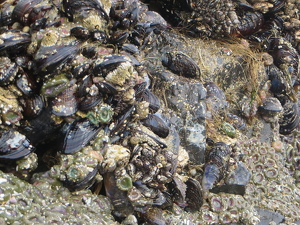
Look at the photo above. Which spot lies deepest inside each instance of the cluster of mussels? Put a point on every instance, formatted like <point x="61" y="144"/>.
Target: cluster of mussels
<point x="74" y="98"/>
<point x="76" y="102"/>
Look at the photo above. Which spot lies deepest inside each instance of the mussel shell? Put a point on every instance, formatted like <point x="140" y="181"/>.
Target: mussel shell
<point x="194" y="196"/>
<point x="99" y="36"/>
<point x="8" y="71"/>
<point x="148" y="96"/>
<point x="65" y="103"/>
<point x="236" y="121"/>
<point x="106" y="88"/>
<point x="290" y="118"/>
<point x="14" y="42"/>
<point x="72" y="7"/>
<point x="119" y="198"/>
<point x="14" y="145"/>
<point x="284" y="53"/>
<point x="216" y="165"/>
<point x="118" y="37"/>
<point x="122" y="119"/>
<point x="32" y="106"/>
<point x="270" y="107"/>
<point x="157" y="125"/>
<point x="89" y="102"/>
<point x="77" y="135"/>
<point x="84" y="84"/>
<point x="6" y="14"/>
<point x="28" y="11"/>
<point x="250" y="22"/>
<point x="26" y="84"/>
<point x="279" y="85"/>
<point x="88" y="181"/>
<point x="130" y="48"/>
<point x="181" y="64"/>
<point x="215" y="97"/>
<point x="80" y="33"/>
<point x="41" y="127"/>
<point x="81" y="70"/>
<point x="154" y="216"/>
<point x="46" y="62"/>
<point x="109" y="64"/>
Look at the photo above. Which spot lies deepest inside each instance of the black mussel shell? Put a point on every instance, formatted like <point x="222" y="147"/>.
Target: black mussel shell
<point x="88" y="102"/>
<point x="32" y="106"/>
<point x="245" y="27"/>
<point x="87" y="182"/>
<point x="84" y="84"/>
<point x="65" y="103"/>
<point x="181" y="64"/>
<point x="8" y="71"/>
<point x="119" y="198"/>
<point x="279" y="85"/>
<point x="290" y="118"/>
<point x="14" y="145"/>
<point x="270" y="107"/>
<point x="121" y="122"/>
<point x="284" y="54"/>
<point x="109" y="64"/>
<point x="139" y="89"/>
<point x="89" y="51"/>
<point x="118" y="37"/>
<point x="216" y="165"/>
<point x="178" y="191"/>
<point x="100" y="36"/>
<point x="38" y="25"/>
<point x="6" y="14"/>
<point x="106" y="88"/>
<point x="81" y="70"/>
<point x="130" y="48"/>
<point x="77" y="134"/>
<point x="14" y="42"/>
<point x="72" y="7"/>
<point x="41" y="127"/>
<point x="80" y="33"/>
<point x="26" y="84"/>
<point x="154" y="216"/>
<point x="51" y="58"/>
<point x="157" y="125"/>
<point x="194" y="196"/>
<point x="148" y="96"/>
<point x="28" y="11"/>
<point x="215" y="97"/>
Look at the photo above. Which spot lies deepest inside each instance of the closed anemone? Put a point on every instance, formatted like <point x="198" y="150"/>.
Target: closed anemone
<point x="11" y="116"/>
<point x="124" y="183"/>
<point x="55" y="85"/>
<point x="228" y="129"/>
<point x="105" y="114"/>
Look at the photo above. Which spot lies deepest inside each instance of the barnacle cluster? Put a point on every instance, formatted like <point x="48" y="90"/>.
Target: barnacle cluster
<point x="46" y="201"/>
<point x="271" y="186"/>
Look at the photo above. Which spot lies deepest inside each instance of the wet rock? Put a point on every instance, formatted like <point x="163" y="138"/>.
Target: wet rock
<point x="240" y="176"/>
<point x="186" y="99"/>
<point x="267" y="216"/>
<point x="230" y="189"/>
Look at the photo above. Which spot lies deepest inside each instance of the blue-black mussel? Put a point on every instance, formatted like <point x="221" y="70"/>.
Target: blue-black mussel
<point x="14" y="145"/>
<point x="216" y="165"/>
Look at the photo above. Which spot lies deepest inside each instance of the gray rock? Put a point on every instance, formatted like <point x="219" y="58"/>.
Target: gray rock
<point x="267" y="216"/>
<point x="241" y="175"/>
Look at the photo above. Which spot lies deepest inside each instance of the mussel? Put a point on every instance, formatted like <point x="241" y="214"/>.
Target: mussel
<point x="14" y="145"/>
<point x="216" y="165"/>
<point x="181" y="64"/>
